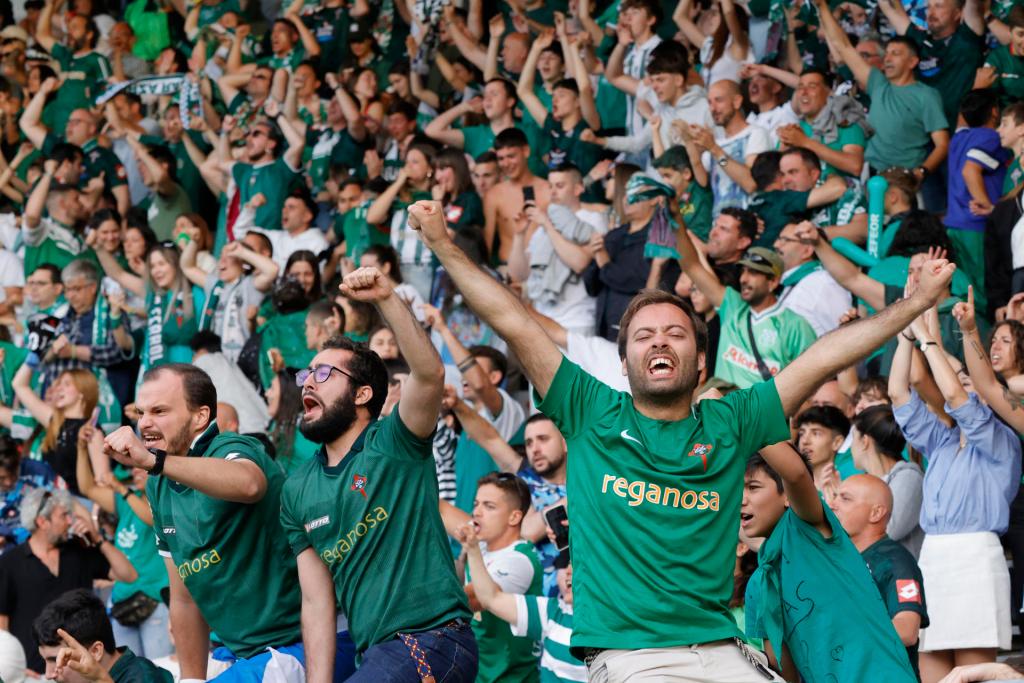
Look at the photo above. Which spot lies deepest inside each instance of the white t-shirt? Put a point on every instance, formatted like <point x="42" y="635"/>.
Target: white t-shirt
<point x="575" y="309"/>
<point x="749" y="142"/>
<point x="508" y="419"/>
<point x="597" y="357"/>
<point x="286" y="244"/>
<point x="771" y="120"/>
<point x="510" y="569"/>
<point x="12" y="271"/>
<point x="818" y="299"/>
<point x="727" y="68"/>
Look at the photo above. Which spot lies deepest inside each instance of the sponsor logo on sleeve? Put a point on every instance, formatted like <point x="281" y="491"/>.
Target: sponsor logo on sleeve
<point x="317" y="523"/>
<point x="908" y="590"/>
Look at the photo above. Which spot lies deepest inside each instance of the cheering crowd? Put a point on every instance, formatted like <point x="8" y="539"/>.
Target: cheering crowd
<point x="535" y="340"/>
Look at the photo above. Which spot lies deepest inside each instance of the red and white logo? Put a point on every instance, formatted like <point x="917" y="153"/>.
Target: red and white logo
<point x="908" y="590"/>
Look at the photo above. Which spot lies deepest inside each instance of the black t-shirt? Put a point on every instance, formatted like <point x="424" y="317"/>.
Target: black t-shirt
<point x="899" y="581"/>
<point x="26" y="586"/>
<point x="64" y="456"/>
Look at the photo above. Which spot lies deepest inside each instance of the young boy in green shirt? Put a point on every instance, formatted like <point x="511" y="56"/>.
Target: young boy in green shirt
<point x="692" y="191"/>
<point x="818" y="607"/>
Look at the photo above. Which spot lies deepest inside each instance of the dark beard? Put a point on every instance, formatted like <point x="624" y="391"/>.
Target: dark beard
<point x="179" y="444"/>
<point x="335" y="421"/>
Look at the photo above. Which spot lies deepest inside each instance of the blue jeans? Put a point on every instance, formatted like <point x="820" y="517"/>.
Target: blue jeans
<point x="150" y="639"/>
<point x="250" y="670"/>
<point x="450" y="651"/>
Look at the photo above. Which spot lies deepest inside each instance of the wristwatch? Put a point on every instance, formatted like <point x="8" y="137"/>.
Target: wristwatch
<point x="923" y="170"/>
<point x="723" y="161"/>
<point x="158" y="466"/>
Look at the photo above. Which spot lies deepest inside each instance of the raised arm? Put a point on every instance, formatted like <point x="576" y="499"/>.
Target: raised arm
<point x="495" y="29"/>
<point x="949" y="384"/>
<point x="31" y="118"/>
<point x="896" y="15"/>
<point x="690" y="261"/>
<point x="979" y="366"/>
<point x="39" y="409"/>
<point x="44" y="27"/>
<point x="441" y="128"/>
<point x="614" y="71"/>
<point x="483" y="433"/>
<point x="101" y="495"/>
<point x="466" y="44"/>
<point x="489" y="299"/>
<point x="265" y="269"/>
<point x="485" y="589"/>
<point x="740" y="40"/>
<point x="798" y="484"/>
<point x="422" y="391"/>
<point x="309" y="41"/>
<point x="164" y="183"/>
<point x="839" y="42"/>
<point x="130" y="281"/>
<point x="690" y="30"/>
<point x="588" y="23"/>
<point x="472" y="373"/>
<point x="527" y="97"/>
<point x="842" y="269"/>
<point x="588" y="101"/>
<point x="848" y="344"/>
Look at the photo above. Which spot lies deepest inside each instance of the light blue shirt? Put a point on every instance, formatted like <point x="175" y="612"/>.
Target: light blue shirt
<point x="964" y="490"/>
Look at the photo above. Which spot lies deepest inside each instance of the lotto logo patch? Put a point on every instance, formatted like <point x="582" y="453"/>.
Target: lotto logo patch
<point x="908" y="590"/>
<point x="317" y="523"/>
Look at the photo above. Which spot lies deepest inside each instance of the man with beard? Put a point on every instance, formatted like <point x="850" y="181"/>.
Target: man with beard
<point x="216" y="502"/>
<point x="759" y="337"/>
<point x="50" y="562"/>
<point x="53" y="238"/>
<point x="362" y="515"/>
<point x="656" y="479"/>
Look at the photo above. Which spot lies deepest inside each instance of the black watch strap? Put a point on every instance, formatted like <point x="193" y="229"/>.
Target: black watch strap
<point x="161" y="457"/>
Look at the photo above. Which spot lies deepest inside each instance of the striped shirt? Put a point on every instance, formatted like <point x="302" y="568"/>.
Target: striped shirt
<point x="550" y="620"/>
<point x="635" y="66"/>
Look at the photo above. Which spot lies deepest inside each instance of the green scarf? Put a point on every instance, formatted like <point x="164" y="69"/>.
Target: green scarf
<point x="153" y="351"/>
<point x="800" y="273"/>
<point x="210" y="309"/>
<point x="109" y="407"/>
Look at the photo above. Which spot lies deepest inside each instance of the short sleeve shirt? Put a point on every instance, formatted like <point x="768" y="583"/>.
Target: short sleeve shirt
<point x="1009" y="68"/>
<point x="899" y="582"/>
<point x="372" y="520"/>
<point x="683" y="479"/>
<point x="97" y="162"/>
<point x="84" y="77"/>
<point x="948" y="65"/>
<point x="566" y="147"/>
<point x="777" y="208"/>
<point x="848" y="135"/>
<point x="273" y="180"/>
<point x="802" y="606"/>
<point x="903" y="118"/>
<point x="213" y="544"/>
<point x="781" y="335"/>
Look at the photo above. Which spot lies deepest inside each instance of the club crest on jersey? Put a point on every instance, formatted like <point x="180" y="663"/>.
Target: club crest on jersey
<point x="702" y="450"/>
<point x="359" y="484"/>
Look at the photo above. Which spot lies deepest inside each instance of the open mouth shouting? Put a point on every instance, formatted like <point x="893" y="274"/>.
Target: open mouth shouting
<point x="310" y="403"/>
<point x="746" y="519"/>
<point x="152" y="438"/>
<point x="659" y="366"/>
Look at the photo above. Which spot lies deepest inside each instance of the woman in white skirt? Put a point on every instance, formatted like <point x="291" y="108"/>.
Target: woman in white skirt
<point x="972" y="476"/>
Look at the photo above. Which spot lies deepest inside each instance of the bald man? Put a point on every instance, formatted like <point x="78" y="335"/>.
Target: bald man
<point x="227" y="417"/>
<point x="731" y="148"/>
<point x="863" y="506"/>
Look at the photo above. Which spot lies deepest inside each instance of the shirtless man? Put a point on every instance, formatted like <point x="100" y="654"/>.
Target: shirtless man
<point x="505" y="203"/>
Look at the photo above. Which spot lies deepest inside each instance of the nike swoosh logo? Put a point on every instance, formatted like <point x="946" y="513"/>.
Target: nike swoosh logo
<point x="625" y="435"/>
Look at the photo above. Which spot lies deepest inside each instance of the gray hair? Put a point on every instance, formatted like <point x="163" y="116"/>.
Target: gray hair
<point x="39" y="502"/>
<point x="81" y="268"/>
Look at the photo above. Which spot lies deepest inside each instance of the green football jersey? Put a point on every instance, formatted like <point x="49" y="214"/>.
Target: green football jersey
<point x="373" y="520"/>
<point x="811" y="604"/>
<point x="274" y="180"/>
<point x="550" y="619"/>
<point x="781" y="335"/>
<point x="84" y="77"/>
<point x="233" y="557"/>
<point x="504" y="656"/>
<point x="655" y="508"/>
<point x="52" y="242"/>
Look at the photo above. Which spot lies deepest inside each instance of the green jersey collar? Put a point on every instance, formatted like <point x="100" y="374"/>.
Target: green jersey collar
<point x="357" y="446"/>
<point x="202" y="442"/>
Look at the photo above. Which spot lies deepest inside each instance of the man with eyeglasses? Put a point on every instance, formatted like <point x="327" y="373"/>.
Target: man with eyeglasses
<point x="362" y="515"/>
<point x="808" y="289"/>
<point x="100" y="163"/>
<point x="216" y="504"/>
<point x="64" y="552"/>
<point x="45" y="293"/>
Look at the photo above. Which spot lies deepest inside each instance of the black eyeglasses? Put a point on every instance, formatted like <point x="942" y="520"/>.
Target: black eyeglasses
<point x="320" y="373"/>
